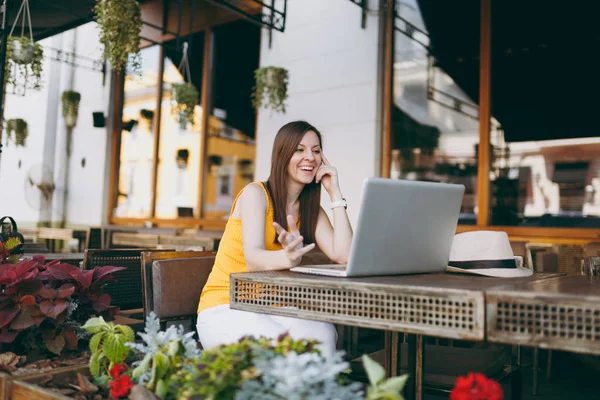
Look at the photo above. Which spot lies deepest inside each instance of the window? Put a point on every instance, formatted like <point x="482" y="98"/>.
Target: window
<point x="177" y="181"/>
<point x="435" y="123"/>
<point x="136" y="155"/>
<point x="195" y="174"/>
<point x="232" y="121"/>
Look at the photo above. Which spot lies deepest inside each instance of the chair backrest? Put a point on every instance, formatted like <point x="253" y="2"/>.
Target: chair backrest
<point x="94" y="238"/>
<point x="126" y="289"/>
<point x="177" y="284"/>
<point x="148" y="257"/>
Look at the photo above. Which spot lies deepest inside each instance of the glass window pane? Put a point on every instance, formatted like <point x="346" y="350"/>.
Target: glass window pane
<point x="230" y="152"/>
<point x="434" y="118"/>
<point x="136" y="157"/>
<point x="546" y="164"/>
<point x="177" y="189"/>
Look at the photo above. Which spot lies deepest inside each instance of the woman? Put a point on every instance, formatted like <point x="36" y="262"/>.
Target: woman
<point x="269" y="225"/>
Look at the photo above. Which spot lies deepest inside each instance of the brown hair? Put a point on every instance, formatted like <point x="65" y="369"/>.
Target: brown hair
<point x="286" y="142"/>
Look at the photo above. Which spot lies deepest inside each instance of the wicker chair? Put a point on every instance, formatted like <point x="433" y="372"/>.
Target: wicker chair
<point x="148" y="257"/>
<point x="126" y="290"/>
<point x="173" y="287"/>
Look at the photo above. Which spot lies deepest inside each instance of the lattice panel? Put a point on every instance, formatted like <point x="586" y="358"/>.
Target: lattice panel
<point x="530" y="321"/>
<point x="434" y="313"/>
<point x="126" y="289"/>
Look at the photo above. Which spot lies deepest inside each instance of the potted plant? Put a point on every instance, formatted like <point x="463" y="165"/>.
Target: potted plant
<point x="120" y="23"/>
<point x="271" y="88"/>
<point x="17" y="131"/>
<point x="70" y="107"/>
<point x="25" y="59"/>
<point x="43" y="308"/>
<point x="186" y="98"/>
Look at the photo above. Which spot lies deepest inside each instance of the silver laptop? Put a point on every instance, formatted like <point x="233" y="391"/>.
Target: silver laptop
<point x="404" y="227"/>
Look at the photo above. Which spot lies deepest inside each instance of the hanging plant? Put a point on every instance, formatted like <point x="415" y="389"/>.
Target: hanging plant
<point x="120" y="24"/>
<point x="148" y="117"/>
<point x="186" y="98"/>
<point x="16" y="131"/>
<point x="70" y="107"/>
<point x="271" y="90"/>
<point x="24" y="62"/>
<point x="24" y="56"/>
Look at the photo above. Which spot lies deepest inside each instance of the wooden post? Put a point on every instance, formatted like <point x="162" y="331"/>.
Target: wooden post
<point x="156" y="128"/>
<point x="206" y="96"/>
<point x="483" y="180"/>
<point x="387" y="83"/>
<point x="115" y="126"/>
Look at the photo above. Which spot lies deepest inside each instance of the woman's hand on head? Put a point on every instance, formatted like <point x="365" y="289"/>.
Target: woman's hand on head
<point x="292" y="242"/>
<point x="327" y="175"/>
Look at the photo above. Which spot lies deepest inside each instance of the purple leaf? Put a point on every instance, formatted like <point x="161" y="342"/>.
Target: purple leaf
<point x="65" y="290"/>
<point x="23" y="320"/>
<point x="53" y="308"/>
<point x="7" y="315"/>
<point x="8" y="337"/>
<point x="102" y="303"/>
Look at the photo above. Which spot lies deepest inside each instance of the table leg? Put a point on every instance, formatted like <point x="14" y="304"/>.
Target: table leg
<point x="536" y="362"/>
<point x="416" y="361"/>
<point x="392" y="354"/>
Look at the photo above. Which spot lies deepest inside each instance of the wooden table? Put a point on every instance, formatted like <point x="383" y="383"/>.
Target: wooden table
<point x="69" y="258"/>
<point x="560" y="313"/>
<point x="441" y="305"/>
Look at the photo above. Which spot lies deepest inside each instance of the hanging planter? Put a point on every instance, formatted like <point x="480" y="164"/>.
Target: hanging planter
<point x="147" y="117"/>
<point x="271" y="88"/>
<point x="186" y="98"/>
<point x="70" y="107"/>
<point x="17" y="131"/>
<point x="120" y="23"/>
<point x="24" y="56"/>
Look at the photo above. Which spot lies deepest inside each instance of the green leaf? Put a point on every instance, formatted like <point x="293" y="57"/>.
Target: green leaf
<point x="375" y="372"/>
<point x="95" y="325"/>
<point x="161" y="389"/>
<point x="95" y="341"/>
<point x="95" y="365"/>
<point x="114" y="347"/>
<point x="393" y="385"/>
<point x="127" y="332"/>
<point x="142" y="367"/>
<point x="173" y="348"/>
<point x="160" y="367"/>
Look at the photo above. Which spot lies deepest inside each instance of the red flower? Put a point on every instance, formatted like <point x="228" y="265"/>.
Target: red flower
<point x="120" y="387"/>
<point x="116" y="371"/>
<point x="476" y="386"/>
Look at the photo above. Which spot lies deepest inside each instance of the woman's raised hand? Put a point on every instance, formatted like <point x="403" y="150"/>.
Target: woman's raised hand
<point x="292" y="242"/>
<point x="328" y="176"/>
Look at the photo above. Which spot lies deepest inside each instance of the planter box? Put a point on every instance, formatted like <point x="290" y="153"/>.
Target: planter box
<point x="25" y="388"/>
<point x="8" y="382"/>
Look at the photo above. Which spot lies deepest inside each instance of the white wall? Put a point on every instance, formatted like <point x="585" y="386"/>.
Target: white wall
<point x="333" y="73"/>
<point x="47" y="136"/>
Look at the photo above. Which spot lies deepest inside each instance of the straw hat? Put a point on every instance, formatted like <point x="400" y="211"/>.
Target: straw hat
<point x="485" y="253"/>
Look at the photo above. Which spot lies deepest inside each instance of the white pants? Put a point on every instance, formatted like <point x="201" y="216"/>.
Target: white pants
<point x="222" y="325"/>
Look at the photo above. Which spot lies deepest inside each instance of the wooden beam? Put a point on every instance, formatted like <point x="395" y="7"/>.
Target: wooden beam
<point x="387" y="88"/>
<point x="206" y="102"/>
<point x="115" y="122"/>
<point x="531" y="233"/>
<point x="156" y="128"/>
<point x="483" y="180"/>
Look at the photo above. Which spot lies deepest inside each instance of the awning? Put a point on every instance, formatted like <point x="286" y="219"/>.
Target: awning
<point x="544" y="68"/>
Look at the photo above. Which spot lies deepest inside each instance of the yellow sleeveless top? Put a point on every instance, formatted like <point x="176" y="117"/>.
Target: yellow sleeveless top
<point x="230" y="256"/>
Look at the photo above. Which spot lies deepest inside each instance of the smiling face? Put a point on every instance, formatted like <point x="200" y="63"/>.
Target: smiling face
<point x="306" y="159"/>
